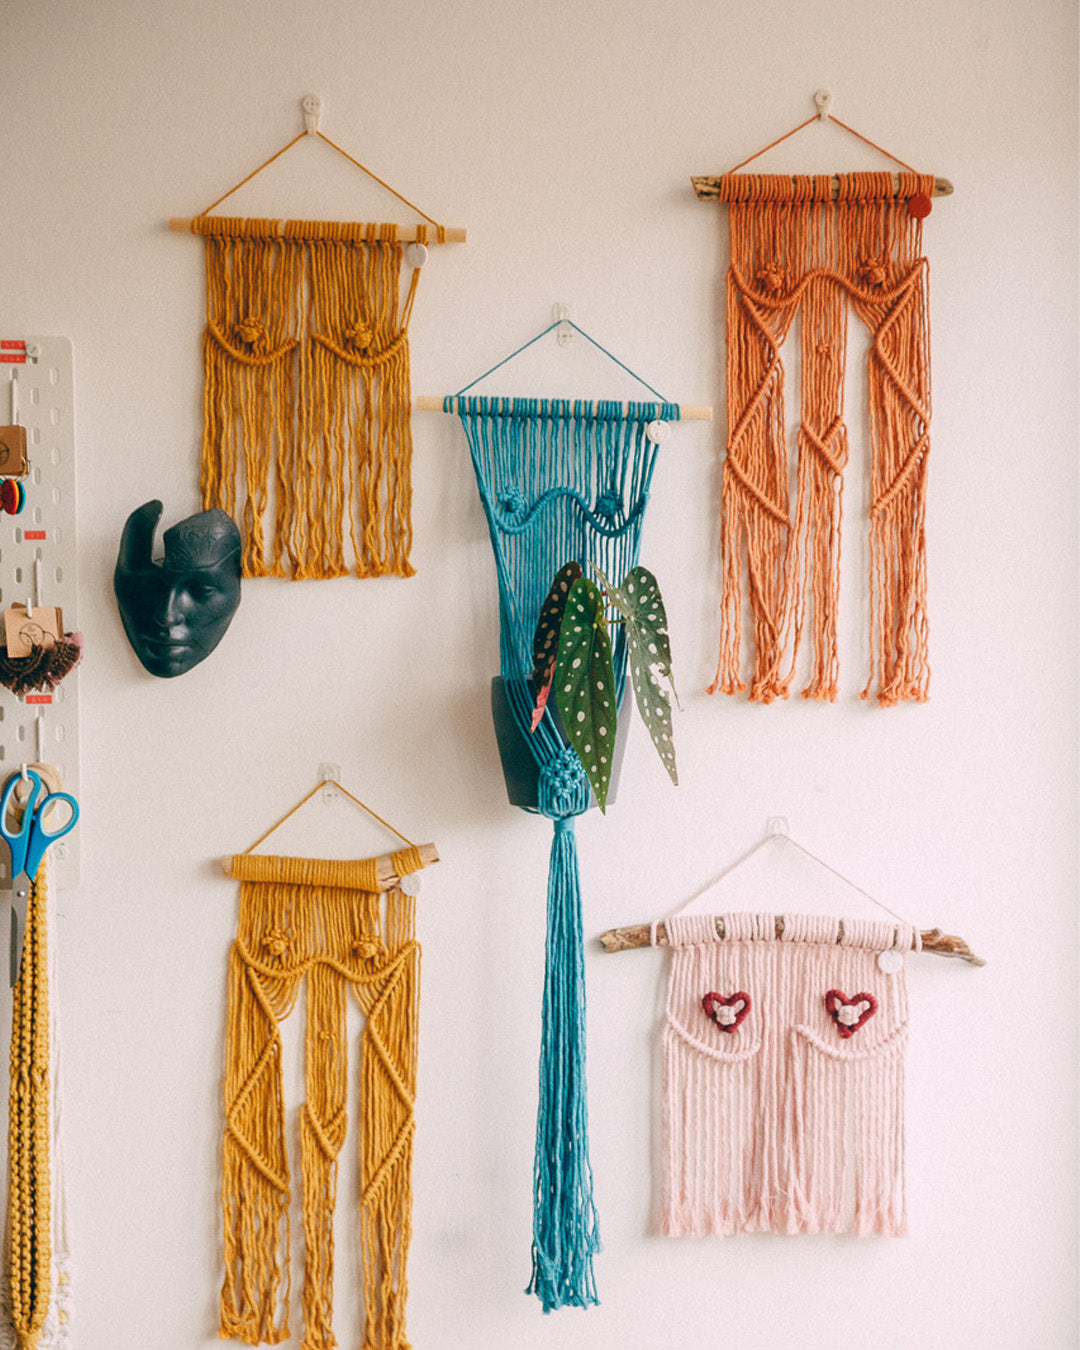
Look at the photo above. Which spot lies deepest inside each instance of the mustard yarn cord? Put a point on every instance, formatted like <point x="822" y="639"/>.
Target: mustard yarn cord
<point x="311" y="922"/>
<point x="29" y="1200"/>
<point x="307" y="439"/>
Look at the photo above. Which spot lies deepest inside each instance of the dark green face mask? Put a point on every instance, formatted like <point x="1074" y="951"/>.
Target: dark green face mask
<point x="175" y="611"/>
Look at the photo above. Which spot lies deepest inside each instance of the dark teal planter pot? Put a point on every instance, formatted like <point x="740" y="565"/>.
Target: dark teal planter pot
<point x="521" y="772"/>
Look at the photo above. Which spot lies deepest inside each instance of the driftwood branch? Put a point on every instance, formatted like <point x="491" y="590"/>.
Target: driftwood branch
<point x="638" y="935"/>
<point x="709" y="186"/>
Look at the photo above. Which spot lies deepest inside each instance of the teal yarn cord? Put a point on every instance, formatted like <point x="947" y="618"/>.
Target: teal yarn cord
<point x="566" y="1231"/>
<point x="559" y="481"/>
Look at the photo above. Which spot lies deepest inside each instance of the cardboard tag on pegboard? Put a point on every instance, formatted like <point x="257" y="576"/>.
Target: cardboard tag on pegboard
<point x="43" y="627"/>
<point x="13" y="451"/>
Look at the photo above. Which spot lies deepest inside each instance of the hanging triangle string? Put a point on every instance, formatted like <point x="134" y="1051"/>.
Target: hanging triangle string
<point x="691" y="905"/>
<point x="526" y="345"/>
<point x="441" y="229"/>
<point x="816" y="118"/>
<point x="330" y="782"/>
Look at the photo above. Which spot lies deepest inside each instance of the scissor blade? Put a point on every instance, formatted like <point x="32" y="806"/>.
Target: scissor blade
<point x="20" y="901"/>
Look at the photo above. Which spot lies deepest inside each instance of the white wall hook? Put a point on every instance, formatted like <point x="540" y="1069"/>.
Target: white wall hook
<point x="311" y="107"/>
<point x="777" y="827"/>
<point x="564" y="334"/>
<point x="822" y="102"/>
<point x="330" y="774"/>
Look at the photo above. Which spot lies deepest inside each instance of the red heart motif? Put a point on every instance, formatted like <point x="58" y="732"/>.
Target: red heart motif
<point x="848" y="1022"/>
<point x="732" y="1017"/>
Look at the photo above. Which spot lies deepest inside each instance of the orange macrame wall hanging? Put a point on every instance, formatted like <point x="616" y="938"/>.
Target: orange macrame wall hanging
<point x="307" y="441"/>
<point x="807" y="248"/>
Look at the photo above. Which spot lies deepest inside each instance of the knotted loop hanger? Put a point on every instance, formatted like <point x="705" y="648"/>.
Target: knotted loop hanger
<point x="559" y="323"/>
<point x="714" y="186"/>
<point x="654" y="934"/>
<point x="381" y="873"/>
<point x="453" y="403"/>
<point x="312" y="108"/>
<point x="328" y="782"/>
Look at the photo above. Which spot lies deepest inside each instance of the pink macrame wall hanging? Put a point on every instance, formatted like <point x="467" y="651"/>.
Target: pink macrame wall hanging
<point x="783" y="1107"/>
<point x="784" y="1040"/>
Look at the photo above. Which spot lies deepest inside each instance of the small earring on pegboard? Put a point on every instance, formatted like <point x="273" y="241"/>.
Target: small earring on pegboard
<point x="12" y="496"/>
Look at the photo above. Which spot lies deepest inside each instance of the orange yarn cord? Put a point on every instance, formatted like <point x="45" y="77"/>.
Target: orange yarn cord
<point x="29" y="1186"/>
<point x="306" y="396"/>
<point x="796" y="252"/>
<point x="329" y="930"/>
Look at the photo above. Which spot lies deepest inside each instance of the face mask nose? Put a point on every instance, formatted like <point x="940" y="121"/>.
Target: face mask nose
<point x="171" y="610"/>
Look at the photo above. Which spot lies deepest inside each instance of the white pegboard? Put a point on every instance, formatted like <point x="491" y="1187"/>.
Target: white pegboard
<point x="38" y="561"/>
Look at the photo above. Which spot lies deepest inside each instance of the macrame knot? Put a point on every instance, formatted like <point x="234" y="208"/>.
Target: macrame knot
<point x="276" y="943"/>
<point x="771" y="278"/>
<point x="563" y="789"/>
<point x="609" y="504"/>
<point x="513" y="504"/>
<point x="368" y="948"/>
<point x="875" y="272"/>
<point x="252" y="333"/>
<point x="360" y="337"/>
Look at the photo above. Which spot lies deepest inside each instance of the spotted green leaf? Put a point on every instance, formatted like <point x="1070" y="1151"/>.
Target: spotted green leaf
<point x="585" y="685"/>
<point x="546" y="637"/>
<point x="648" y="646"/>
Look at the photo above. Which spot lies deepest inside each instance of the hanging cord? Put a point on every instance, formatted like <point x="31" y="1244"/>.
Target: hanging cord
<point x="329" y="782"/>
<point x="375" y="177"/>
<point x="784" y="837"/>
<point x="558" y="323"/>
<point x="816" y="118"/>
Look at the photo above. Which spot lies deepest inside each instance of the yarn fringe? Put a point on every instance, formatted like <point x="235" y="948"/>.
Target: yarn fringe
<point x="565" y="1227"/>
<point x="44" y="668"/>
<point x="336" y="936"/>
<point x="795" y="252"/>
<point x="307" y="439"/>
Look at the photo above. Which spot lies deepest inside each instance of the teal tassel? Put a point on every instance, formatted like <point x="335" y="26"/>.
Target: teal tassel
<point x="565" y="1228"/>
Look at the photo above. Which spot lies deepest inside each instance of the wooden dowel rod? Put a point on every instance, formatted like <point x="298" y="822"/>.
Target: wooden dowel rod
<point x="638" y="935"/>
<point x="406" y="234"/>
<point x="385" y="875"/>
<point x="709" y="186"/>
<point x="687" y="412"/>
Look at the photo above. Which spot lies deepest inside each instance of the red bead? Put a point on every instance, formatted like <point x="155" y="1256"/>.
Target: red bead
<point x="920" y="205"/>
<point x="9" y="495"/>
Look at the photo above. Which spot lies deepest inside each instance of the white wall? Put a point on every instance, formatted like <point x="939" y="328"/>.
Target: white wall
<point x="563" y="135"/>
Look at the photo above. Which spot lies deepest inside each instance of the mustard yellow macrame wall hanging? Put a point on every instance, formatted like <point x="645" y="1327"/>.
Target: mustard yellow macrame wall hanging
<point x="801" y="248"/>
<point x="338" y="927"/>
<point x="307" y="441"/>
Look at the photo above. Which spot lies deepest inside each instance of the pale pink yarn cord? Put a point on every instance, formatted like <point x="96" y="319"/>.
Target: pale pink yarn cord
<point x="791" y="1121"/>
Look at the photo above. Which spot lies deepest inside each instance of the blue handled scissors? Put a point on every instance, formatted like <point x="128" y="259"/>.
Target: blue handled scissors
<point x="28" y="844"/>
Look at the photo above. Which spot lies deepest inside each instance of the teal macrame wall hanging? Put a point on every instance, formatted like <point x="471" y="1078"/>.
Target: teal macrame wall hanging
<point x="560" y="481"/>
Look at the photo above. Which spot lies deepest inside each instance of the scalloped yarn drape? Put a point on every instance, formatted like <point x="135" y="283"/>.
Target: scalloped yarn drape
<point x="318" y="924"/>
<point x="797" y="254"/>
<point x="307" y="441"/>
<point x="559" y="481"/>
